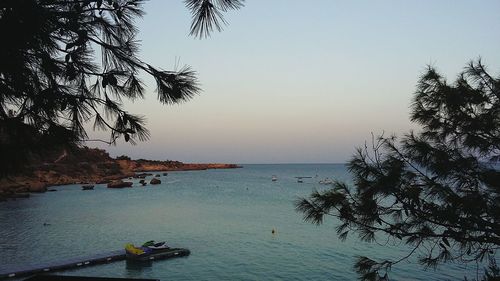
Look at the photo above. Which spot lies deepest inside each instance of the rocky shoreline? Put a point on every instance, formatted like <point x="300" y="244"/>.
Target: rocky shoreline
<point x="87" y="165"/>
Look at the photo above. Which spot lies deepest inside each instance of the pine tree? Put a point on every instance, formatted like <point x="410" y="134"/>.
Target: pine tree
<point x="436" y="190"/>
<point x="66" y="62"/>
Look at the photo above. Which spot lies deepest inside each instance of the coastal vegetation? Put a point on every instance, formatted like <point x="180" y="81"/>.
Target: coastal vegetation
<point x="436" y="190"/>
<point x="86" y="165"/>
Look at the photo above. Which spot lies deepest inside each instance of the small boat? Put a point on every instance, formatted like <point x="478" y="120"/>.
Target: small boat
<point x="156" y="246"/>
<point x="88" y="187"/>
<point x="151" y="251"/>
<point x="326" y="181"/>
<point x="300" y="179"/>
<point x="274" y="178"/>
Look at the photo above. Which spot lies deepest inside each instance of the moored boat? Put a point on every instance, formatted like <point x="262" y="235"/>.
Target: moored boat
<point x="156" y="246"/>
<point x="326" y="181"/>
<point x="87" y="187"/>
<point x="153" y="251"/>
<point x="300" y="179"/>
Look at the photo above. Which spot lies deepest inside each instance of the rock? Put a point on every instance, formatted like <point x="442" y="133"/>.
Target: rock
<point x="88" y="187"/>
<point x="157" y="175"/>
<point x="37" y="187"/>
<point x="52" y="190"/>
<point x="10" y="194"/>
<point x="119" y="184"/>
<point x="22" y="189"/>
<point x="129" y="175"/>
<point x="155" y="181"/>
<point x="165" y="174"/>
<point x="142" y="175"/>
<point x="19" y="195"/>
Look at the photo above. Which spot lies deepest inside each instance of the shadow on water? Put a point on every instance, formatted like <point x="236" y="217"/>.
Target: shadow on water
<point x="138" y="265"/>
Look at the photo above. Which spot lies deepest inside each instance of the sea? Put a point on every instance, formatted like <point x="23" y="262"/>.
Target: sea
<point x="224" y="217"/>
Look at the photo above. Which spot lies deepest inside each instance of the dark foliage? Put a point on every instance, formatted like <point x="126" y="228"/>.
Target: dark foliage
<point x="67" y="62"/>
<point x="123" y="157"/>
<point x="436" y="190"/>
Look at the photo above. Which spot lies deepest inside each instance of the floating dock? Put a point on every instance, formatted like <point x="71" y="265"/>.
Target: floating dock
<point x="103" y="258"/>
<point x="44" y="277"/>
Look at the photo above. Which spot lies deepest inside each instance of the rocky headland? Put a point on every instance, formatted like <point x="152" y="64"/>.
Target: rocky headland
<point x="86" y="165"/>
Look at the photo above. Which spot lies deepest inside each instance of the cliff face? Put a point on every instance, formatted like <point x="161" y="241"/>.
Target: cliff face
<point x="85" y="165"/>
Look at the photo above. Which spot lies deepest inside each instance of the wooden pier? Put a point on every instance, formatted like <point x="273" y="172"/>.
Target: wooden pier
<point x="108" y="257"/>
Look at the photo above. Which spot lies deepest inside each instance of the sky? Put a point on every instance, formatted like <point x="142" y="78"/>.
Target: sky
<point x="291" y="81"/>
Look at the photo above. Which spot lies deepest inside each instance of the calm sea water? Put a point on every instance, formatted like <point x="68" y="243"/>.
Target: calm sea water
<point x="225" y="217"/>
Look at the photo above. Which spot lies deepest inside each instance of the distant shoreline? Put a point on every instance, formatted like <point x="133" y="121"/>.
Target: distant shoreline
<point x="87" y="166"/>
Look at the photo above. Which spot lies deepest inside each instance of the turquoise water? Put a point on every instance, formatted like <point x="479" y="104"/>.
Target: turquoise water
<point x="225" y="217"/>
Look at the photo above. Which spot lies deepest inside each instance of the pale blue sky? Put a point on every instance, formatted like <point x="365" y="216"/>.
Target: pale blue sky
<point x="291" y="81"/>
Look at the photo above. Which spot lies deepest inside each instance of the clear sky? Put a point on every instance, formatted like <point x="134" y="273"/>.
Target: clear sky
<point x="291" y="81"/>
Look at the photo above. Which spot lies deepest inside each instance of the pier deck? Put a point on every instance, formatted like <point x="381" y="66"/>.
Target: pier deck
<point x="102" y="258"/>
